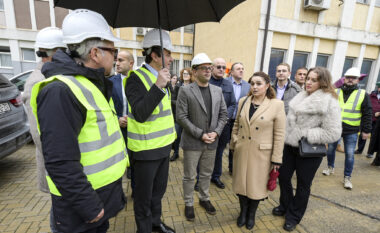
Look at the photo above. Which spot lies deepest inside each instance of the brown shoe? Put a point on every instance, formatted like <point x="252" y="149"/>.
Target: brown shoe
<point x="339" y="148"/>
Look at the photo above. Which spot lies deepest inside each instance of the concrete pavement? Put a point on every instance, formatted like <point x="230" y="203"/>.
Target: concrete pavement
<point x="331" y="208"/>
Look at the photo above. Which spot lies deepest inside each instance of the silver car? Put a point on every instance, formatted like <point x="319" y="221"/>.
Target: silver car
<point x="14" y="127"/>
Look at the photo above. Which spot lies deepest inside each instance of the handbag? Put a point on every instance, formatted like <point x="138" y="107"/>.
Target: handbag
<point x="272" y="182"/>
<point x="307" y="150"/>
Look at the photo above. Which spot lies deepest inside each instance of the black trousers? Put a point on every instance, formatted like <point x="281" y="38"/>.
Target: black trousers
<point x="295" y="205"/>
<point x="151" y="177"/>
<point x="100" y="229"/>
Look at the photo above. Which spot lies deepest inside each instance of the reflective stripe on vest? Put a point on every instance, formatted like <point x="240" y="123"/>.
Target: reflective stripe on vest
<point x="102" y="147"/>
<point x="158" y="130"/>
<point x="351" y="110"/>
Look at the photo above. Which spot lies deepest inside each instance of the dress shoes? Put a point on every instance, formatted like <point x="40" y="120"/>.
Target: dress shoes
<point x="162" y="228"/>
<point x="289" y="226"/>
<point x="189" y="213"/>
<point x="218" y="183"/>
<point x="277" y="211"/>
<point x="210" y="209"/>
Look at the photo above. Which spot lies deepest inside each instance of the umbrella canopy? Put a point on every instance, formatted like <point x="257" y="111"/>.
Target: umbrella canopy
<point x="144" y="13"/>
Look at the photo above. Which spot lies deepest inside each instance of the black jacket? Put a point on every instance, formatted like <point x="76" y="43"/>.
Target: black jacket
<point x="143" y="103"/>
<point x="366" y="121"/>
<point x="61" y="119"/>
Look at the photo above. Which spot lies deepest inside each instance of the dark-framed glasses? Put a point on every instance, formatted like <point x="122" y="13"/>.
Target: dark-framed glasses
<point x="41" y="53"/>
<point x="113" y="51"/>
<point x="221" y="67"/>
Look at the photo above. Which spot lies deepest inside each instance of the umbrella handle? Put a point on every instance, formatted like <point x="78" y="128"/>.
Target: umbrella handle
<point x="162" y="47"/>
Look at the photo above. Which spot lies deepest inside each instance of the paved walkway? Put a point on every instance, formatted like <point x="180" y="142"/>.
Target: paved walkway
<point x="331" y="208"/>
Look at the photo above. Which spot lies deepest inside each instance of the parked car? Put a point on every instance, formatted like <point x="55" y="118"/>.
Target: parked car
<point x="14" y="127"/>
<point x="20" y="79"/>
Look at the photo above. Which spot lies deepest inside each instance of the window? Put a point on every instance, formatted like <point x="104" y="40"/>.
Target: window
<point x="140" y="61"/>
<point x="363" y="1"/>
<point x="365" y="69"/>
<point x="189" y="28"/>
<point x="28" y="55"/>
<point x="186" y="63"/>
<point x="348" y="62"/>
<point x="5" y="58"/>
<point x="322" y="60"/>
<point x="276" y="57"/>
<point x="1" y="5"/>
<point x="174" y="67"/>
<point x="299" y="60"/>
<point x="377" y="3"/>
<point x="378" y="77"/>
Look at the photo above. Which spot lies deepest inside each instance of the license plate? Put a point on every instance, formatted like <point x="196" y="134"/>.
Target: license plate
<point x="4" y="107"/>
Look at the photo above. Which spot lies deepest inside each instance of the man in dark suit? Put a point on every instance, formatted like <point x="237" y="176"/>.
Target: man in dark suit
<point x="124" y="64"/>
<point x="241" y="89"/>
<point x="218" y="70"/>
<point x="202" y="113"/>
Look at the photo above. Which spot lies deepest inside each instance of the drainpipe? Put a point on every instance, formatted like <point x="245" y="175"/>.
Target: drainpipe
<point x="265" y="34"/>
<point x="193" y="41"/>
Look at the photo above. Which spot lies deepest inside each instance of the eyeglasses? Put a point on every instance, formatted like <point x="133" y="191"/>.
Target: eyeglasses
<point x="351" y="77"/>
<point x="41" y="54"/>
<point x="113" y="51"/>
<point x="283" y="71"/>
<point x="221" y="67"/>
<point x="185" y="73"/>
<point x="204" y="68"/>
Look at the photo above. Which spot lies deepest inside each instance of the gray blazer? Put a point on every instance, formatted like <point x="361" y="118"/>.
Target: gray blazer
<point x="192" y="116"/>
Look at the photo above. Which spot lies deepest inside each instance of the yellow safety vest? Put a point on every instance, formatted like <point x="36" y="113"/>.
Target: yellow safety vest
<point x="158" y="130"/>
<point x="351" y="110"/>
<point x="103" y="151"/>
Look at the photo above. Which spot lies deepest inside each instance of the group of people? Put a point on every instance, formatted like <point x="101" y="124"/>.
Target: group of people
<point x="88" y="128"/>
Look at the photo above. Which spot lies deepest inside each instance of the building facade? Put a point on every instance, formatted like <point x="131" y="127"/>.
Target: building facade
<point x="20" y="21"/>
<point x="334" y="34"/>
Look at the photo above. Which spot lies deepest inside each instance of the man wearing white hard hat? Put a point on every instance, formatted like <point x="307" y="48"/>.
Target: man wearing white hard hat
<point x="83" y="147"/>
<point x="202" y="113"/>
<point x="356" y="113"/>
<point x="48" y="41"/>
<point x="151" y="131"/>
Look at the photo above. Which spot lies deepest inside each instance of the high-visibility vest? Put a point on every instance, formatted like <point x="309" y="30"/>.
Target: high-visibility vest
<point x="158" y="130"/>
<point x="101" y="144"/>
<point x="351" y="110"/>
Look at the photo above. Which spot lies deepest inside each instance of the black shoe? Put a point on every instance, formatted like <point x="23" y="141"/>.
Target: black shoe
<point x="289" y="226"/>
<point x="129" y="172"/>
<point x="174" y="157"/>
<point x="218" y="183"/>
<point x="277" y="211"/>
<point x="358" y="152"/>
<point x="242" y="219"/>
<point x="196" y="187"/>
<point x="162" y="228"/>
<point x="210" y="209"/>
<point x="189" y="213"/>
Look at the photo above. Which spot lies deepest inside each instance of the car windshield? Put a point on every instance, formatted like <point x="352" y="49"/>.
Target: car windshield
<point x="4" y="82"/>
<point x="20" y="81"/>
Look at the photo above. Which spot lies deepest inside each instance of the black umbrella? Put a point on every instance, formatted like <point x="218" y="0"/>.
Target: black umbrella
<point x="161" y="14"/>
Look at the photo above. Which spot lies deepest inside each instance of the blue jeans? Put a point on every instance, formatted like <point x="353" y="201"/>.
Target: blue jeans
<point x="349" y="141"/>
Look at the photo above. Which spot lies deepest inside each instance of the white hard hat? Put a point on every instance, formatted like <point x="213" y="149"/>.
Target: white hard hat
<point x="352" y="72"/>
<point x="49" y="38"/>
<point x="199" y="59"/>
<point x="82" y="24"/>
<point x="152" y="38"/>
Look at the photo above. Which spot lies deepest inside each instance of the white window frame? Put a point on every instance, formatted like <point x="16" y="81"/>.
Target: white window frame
<point x="7" y="53"/>
<point x="23" y="58"/>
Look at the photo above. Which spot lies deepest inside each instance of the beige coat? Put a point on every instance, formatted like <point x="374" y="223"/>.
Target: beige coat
<point x="35" y="77"/>
<point x="256" y="143"/>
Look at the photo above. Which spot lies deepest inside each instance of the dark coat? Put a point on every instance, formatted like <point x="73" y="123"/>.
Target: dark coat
<point x="375" y="104"/>
<point x="117" y="97"/>
<point x="61" y="117"/>
<point x="229" y="98"/>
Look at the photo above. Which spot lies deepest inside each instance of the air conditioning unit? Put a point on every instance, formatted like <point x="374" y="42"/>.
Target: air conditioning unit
<point x="140" y="31"/>
<point x="318" y="5"/>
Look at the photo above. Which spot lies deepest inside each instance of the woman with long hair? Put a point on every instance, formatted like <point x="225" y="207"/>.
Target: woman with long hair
<point x="184" y="79"/>
<point x="257" y="142"/>
<point x="313" y="114"/>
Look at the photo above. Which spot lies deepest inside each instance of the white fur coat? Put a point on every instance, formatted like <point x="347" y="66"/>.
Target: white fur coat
<point x="316" y="117"/>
